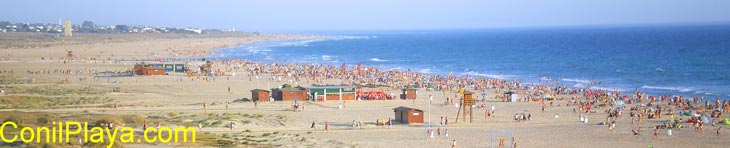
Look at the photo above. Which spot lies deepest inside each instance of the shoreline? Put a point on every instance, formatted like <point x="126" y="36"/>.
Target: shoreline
<point x="575" y="83"/>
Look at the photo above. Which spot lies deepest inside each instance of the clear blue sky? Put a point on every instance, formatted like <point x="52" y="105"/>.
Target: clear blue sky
<point x="302" y="15"/>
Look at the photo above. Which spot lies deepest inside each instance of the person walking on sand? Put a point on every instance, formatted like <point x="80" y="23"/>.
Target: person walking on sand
<point x="326" y="125"/>
<point x="359" y="124"/>
<point x="543" y="108"/>
<point x="446" y="132"/>
<point x="233" y="125"/>
<point x="312" y="125"/>
<point x="431" y="131"/>
<point x="656" y="132"/>
<point x="205" y="107"/>
<point x="453" y="144"/>
<point x="428" y="132"/>
<point x="390" y="123"/>
<point x="718" y="131"/>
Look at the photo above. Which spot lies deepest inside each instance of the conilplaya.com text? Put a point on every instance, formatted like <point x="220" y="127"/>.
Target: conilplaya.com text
<point x="61" y="132"/>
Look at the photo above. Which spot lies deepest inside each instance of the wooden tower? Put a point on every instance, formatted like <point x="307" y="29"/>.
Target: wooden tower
<point x="466" y="103"/>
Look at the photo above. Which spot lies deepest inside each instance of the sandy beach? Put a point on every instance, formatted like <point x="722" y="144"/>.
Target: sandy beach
<point x="41" y="81"/>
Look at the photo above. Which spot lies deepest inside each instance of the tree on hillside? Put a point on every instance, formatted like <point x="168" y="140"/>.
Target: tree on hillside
<point x="87" y="26"/>
<point x="5" y="23"/>
<point x="121" y="28"/>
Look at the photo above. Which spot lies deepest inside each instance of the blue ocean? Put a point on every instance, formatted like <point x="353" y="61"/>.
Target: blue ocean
<point x="690" y="60"/>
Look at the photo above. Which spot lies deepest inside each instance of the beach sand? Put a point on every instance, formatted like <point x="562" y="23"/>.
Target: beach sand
<point x="176" y="100"/>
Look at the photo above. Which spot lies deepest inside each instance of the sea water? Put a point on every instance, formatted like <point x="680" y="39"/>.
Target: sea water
<point x="677" y="60"/>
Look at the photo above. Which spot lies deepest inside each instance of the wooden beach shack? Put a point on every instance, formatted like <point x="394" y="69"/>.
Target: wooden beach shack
<point x="148" y="69"/>
<point x="331" y="92"/>
<point x="171" y="67"/>
<point x="260" y="95"/>
<point x="289" y="93"/>
<point x="408" y="115"/>
<point x="511" y="96"/>
<point x="409" y="93"/>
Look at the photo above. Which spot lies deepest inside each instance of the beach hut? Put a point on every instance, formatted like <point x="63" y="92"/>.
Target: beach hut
<point x="181" y="68"/>
<point x="409" y="93"/>
<point x="331" y="92"/>
<point x="289" y="93"/>
<point x="512" y="96"/>
<point x="260" y="95"/>
<point x="408" y="115"/>
<point x="148" y="69"/>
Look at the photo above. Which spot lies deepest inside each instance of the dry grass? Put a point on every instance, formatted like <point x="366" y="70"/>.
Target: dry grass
<point x="24" y="102"/>
<point x="54" y="90"/>
<point x="39" y="40"/>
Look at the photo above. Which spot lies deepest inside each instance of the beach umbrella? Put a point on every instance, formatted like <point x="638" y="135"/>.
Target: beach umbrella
<point x="706" y="119"/>
<point x="545" y="96"/>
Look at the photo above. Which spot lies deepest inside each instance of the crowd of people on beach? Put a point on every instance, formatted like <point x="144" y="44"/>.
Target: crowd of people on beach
<point x="615" y="102"/>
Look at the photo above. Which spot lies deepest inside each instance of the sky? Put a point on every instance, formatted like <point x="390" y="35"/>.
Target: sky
<point x="304" y="15"/>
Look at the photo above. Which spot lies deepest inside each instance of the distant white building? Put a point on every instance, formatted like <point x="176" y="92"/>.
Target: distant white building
<point x="233" y="29"/>
<point x="198" y="31"/>
<point x="148" y="29"/>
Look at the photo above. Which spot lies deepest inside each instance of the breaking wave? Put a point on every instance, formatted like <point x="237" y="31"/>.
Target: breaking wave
<point x="680" y="89"/>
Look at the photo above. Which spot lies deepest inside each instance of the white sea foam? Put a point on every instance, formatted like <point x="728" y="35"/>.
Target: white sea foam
<point x="328" y="57"/>
<point x="578" y="85"/>
<point x="377" y="60"/>
<point x="493" y="76"/>
<point x="680" y="89"/>
<point x="503" y="77"/>
<point x="347" y="37"/>
<point x="425" y="71"/>
<point x="604" y="88"/>
<point x="577" y="80"/>
<point x="295" y="43"/>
